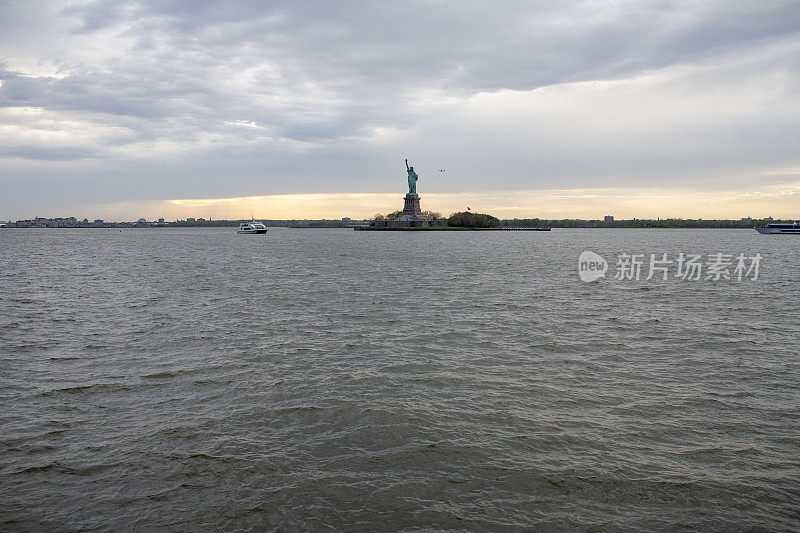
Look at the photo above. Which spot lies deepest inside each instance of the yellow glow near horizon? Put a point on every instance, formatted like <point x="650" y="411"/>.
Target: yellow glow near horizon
<point x="778" y="201"/>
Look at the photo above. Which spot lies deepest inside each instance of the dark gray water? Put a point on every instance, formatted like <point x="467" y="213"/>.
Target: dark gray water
<point x="339" y="380"/>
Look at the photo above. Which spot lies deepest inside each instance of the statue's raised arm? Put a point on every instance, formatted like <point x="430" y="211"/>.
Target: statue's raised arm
<point x="406" y="165"/>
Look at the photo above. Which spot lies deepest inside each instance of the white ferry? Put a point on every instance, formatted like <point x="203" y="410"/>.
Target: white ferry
<point x="251" y="227"/>
<point x="784" y="229"/>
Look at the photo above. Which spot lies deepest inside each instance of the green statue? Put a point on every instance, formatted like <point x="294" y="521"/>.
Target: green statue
<point x="412" y="179"/>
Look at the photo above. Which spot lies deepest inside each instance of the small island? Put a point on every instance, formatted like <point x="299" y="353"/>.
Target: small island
<point x="462" y="221"/>
<point x="413" y="218"/>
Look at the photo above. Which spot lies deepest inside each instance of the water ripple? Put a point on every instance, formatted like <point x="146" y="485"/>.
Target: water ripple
<point x="329" y="379"/>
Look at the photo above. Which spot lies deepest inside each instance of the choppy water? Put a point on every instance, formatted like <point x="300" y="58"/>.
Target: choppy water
<point x="339" y="380"/>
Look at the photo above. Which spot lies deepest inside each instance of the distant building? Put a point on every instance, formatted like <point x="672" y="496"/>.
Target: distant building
<point x="608" y="218"/>
<point x="142" y="221"/>
<point x="160" y="220"/>
<point x="747" y="219"/>
<point x="345" y="219"/>
<point x="98" y="221"/>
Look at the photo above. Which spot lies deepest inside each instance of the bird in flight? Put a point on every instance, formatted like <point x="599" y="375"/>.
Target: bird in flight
<point x="441" y="170"/>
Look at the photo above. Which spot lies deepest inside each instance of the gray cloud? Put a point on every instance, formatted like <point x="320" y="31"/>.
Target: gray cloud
<point x="249" y="88"/>
<point x="322" y="69"/>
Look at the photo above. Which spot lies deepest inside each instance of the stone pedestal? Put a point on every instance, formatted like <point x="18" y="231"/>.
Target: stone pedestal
<point x="412" y="218"/>
<point x="412" y="209"/>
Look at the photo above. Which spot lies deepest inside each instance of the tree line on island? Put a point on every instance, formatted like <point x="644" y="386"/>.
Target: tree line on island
<point x="745" y="223"/>
<point x="464" y="219"/>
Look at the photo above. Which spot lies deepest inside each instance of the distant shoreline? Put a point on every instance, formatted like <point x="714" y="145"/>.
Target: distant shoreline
<point x="71" y="222"/>
<point x="368" y="228"/>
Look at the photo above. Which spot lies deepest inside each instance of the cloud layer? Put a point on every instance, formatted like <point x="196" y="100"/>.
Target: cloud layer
<point x="157" y="99"/>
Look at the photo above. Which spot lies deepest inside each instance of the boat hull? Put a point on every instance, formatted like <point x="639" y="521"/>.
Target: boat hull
<point x="778" y="231"/>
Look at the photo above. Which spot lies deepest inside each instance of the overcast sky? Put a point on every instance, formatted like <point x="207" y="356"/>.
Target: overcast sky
<point x="534" y="108"/>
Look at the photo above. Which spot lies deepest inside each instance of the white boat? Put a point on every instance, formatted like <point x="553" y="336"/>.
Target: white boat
<point x="784" y="229"/>
<point x="251" y="227"/>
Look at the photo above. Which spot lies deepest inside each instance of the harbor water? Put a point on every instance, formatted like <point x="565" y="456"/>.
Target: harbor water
<point x="336" y="380"/>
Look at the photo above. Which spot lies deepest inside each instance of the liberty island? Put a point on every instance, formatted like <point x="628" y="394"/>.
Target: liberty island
<point x="412" y="216"/>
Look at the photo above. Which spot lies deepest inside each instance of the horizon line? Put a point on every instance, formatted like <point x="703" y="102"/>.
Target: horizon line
<point x="759" y="201"/>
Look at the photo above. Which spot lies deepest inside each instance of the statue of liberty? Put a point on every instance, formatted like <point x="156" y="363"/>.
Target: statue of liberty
<point x="412" y="179"/>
